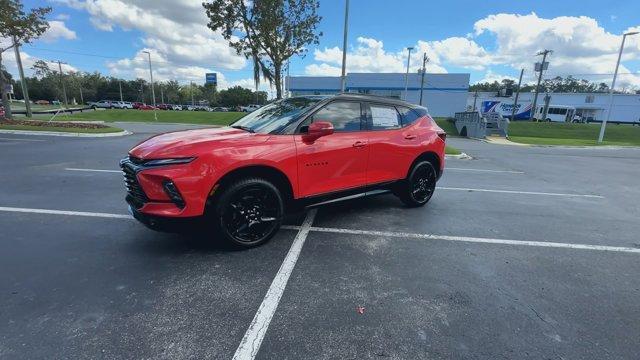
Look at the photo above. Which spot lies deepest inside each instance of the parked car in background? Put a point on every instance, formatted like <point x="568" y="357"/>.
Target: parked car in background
<point x="164" y="107"/>
<point x="102" y="104"/>
<point x="177" y="107"/>
<point x="146" y="107"/>
<point x="249" y="108"/>
<point x="299" y="151"/>
<point x="42" y="102"/>
<point x="220" y="109"/>
<point x="125" y="105"/>
<point x="136" y="105"/>
<point x="1" y="111"/>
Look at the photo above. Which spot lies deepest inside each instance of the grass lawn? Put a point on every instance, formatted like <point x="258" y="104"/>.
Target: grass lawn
<point x="60" y="129"/>
<point x="450" y="150"/>
<point x="572" y="134"/>
<point x="164" y="116"/>
<point x="447" y="126"/>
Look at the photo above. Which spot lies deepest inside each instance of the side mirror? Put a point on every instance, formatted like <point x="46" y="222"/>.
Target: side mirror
<point x="318" y="129"/>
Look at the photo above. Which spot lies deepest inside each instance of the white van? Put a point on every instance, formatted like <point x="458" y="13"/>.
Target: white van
<point x="555" y="113"/>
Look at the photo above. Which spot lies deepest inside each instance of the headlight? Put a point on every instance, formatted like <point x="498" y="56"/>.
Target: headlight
<point x="174" y="161"/>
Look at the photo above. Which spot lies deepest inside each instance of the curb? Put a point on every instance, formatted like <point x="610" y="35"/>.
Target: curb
<point x="462" y="156"/>
<point x="65" y="134"/>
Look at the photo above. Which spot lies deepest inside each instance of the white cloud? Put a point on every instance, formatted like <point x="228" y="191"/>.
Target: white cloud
<point x="62" y="17"/>
<point x="175" y="31"/>
<point x="368" y="56"/>
<point x="581" y="46"/>
<point x="57" y="30"/>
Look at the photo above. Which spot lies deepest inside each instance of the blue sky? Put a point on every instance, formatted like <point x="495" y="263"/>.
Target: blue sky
<point x="488" y="39"/>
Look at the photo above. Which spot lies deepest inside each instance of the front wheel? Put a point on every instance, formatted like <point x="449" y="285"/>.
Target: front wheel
<point x="248" y="212"/>
<point x="419" y="186"/>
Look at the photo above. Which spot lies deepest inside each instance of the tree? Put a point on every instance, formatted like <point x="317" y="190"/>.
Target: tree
<point x="267" y="31"/>
<point x="20" y="28"/>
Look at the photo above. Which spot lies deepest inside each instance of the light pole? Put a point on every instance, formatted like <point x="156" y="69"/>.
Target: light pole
<point x="406" y="77"/>
<point x="425" y="59"/>
<point x="613" y="84"/>
<point x="343" y="82"/>
<point x="153" y="92"/>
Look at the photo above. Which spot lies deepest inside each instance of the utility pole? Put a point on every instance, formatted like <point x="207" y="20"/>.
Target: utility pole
<point x="544" y="54"/>
<point x="120" y="87"/>
<point x="161" y="94"/>
<point x="191" y="91"/>
<point x="406" y="76"/>
<point x="80" y="88"/>
<point x="23" y="81"/>
<point x="475" y="98"/>
<point x="425" y="60"/>
<point x="343" y="83"/>
<point x="64" y="90"/>
<point x="547" y="99"/>
<point x="515" y="102"/>
<point x="613" y="84"/>
<point x="153" y="92"/>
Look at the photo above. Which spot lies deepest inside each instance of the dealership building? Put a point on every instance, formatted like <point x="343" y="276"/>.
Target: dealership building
<point x="589" y="106"/>
<point x="443" y="94"/>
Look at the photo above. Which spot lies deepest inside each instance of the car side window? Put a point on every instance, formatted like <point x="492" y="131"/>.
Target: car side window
<point x="344" y="115"/>
<point x="384" y="117"/>
<point x="409" y="116"/>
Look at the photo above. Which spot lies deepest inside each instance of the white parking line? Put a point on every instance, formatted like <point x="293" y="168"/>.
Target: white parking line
<point x="250" y="344"/>
<point x="20" y="139"/>
<point x="520" y="192"/>
<point x="94" y="170"/>
<point x="64" y="212"/>
<point x="479" y="240"/>
<point x="483" y="170"/>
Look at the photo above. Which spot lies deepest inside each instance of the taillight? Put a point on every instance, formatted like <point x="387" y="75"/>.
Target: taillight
<point x="443" y="136"/>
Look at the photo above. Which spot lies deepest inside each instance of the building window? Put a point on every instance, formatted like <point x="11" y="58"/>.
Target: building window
<point x="589" y="99"/>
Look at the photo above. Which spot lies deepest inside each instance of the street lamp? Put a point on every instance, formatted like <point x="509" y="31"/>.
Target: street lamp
<point x="343" y="79"/>
<point x="613" y="84"/>
<point x="406" y="77"/>
<point x="153" y="92"/>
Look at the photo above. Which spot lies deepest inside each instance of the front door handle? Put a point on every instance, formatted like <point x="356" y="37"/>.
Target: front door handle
<point x="359" y="144"/>
<point x="410" y="136"/>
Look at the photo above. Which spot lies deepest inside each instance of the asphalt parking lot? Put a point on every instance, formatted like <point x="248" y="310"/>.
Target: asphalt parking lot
<point x="522" y="253"/>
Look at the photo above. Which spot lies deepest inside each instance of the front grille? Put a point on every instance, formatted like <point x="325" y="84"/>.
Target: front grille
<point x="135" y="195"/>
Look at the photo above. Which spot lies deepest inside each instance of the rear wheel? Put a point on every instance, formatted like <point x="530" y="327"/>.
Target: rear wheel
<point x="248" y="212"/>
<point x="419" y="186"/>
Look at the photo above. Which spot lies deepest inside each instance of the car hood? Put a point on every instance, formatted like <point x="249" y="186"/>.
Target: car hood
<point x="187" y="143"/>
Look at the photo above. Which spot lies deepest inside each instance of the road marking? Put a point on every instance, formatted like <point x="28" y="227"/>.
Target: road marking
<point x="20" y="139"/>
<point x="250" y="344"/>
<point x="484" y="170"/>
<point x="479" y="240"/>
<point x="94" y="170"/>
<point x="520" y="192"/>
<point x="65" y="212"/>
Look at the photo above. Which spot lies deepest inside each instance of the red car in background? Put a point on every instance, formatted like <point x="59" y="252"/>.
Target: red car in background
<point x="136" y="105"/>
<point x="145" y="107"/>
<point x="298" y="151"/>
<point x="1" y="112"/>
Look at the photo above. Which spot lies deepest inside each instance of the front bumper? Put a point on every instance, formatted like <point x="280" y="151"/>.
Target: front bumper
<point x="167" y="224"/>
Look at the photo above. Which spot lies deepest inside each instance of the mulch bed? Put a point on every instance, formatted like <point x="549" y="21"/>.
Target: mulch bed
<point x="58" y="124"/>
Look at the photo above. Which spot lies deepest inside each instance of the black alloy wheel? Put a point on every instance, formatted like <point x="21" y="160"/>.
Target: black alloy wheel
<point x="420" y="185"/>
<point x="250" y="212"/>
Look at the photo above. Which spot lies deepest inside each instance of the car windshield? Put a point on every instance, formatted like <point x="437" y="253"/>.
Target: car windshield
<point x="275" y="116"/>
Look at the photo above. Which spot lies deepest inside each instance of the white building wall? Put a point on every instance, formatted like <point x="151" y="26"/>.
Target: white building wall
<point x="443" y="95"/>
<point x="626" y="107"/>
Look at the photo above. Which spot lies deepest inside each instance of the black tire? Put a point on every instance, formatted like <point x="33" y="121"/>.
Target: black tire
<point x="248" y="212"/>
<point x="417" y="189"/>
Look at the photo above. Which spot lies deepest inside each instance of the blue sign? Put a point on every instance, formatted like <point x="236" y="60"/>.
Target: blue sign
<point x="211" y="78"/>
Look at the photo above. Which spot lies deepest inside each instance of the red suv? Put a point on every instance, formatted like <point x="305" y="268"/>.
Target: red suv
<point x="240" y="180"/>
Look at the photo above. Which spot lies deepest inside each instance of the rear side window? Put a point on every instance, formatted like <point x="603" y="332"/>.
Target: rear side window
<point x="384" y="117"/>
<point x="344" y="115"/>
<point x="409" y="116"/>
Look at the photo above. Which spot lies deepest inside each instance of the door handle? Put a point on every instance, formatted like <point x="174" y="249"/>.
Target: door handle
<point x="410" y="136"/>
<point x="359" y="144"/>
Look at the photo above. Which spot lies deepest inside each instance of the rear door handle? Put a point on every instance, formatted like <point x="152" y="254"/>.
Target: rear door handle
<point x="410" y="136"/>
<point x="359" y="144"/>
